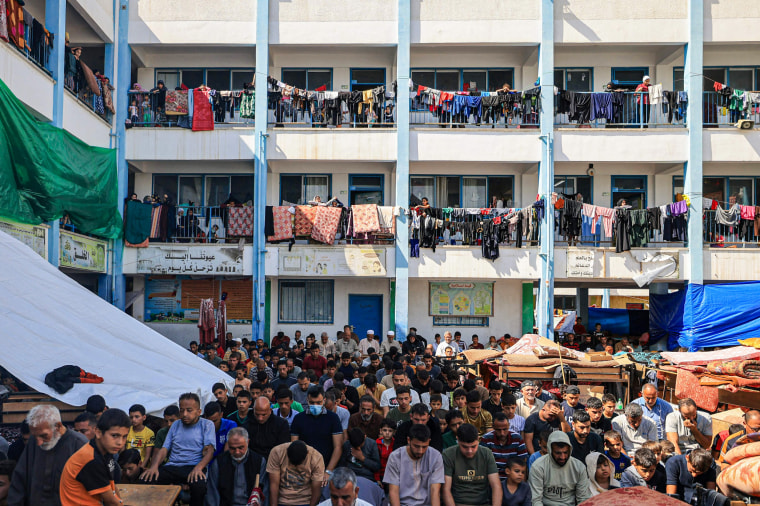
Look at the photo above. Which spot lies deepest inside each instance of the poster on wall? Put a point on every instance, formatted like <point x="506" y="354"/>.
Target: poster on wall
<point x="347" y="261"/>
<point x="580" y="263"/>
<point x="83" y="253"/>
<point x="177" y="299"/>
<point x="461" y="299"/>
<point x="34" y="236"/>
<point x="211" y="260"/>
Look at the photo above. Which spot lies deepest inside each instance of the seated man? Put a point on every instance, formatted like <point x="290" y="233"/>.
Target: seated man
<point x="634" y="428"/>
<point x="687" y="429"/>
<point x="471" y="475"/>
<point x="344" y="489"/>
<point x="685" y="471"/>
<point x="190" y="446"/>
<point x="296" y="471"/>
<point x="226" y="484"/>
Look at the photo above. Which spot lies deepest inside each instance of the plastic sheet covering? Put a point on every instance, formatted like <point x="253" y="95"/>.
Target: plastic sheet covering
<point x="720" y="314"/>
<point x="614" y="320"/>
<point x="666" y="317"/>
<point x="45" y="173"/>
<point x="43" y="309"/>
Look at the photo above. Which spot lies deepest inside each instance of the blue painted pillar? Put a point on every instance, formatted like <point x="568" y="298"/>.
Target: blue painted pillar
<point x="693" y="169"/>
<point x="606" y="294"/>
<point x="55" y="23"/>
<point x="260" y="177"/>
<point x="545" y="306"/>
<point x="123" y="71"/>
<point x="403" y="62"/>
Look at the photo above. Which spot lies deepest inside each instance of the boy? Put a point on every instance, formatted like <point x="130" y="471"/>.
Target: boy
<point x="667" y="450"/>
<point x="599" y="423"/>
<point x="140" y="437"/>
<point x="240" y="378"/>
<point x="509" y="407"/>
<point x="608" y="407"/>
<point x="268" y="392"/>
<point x="235" y="391"/>
<point x="171" y="415"/>
<point x="655" y="447"/>
<point x="645" y="472"/>
<point x="244" y="400"/>
<point x="87" y="478"/>
<point x="436" y="403"/>
<point x="613" y="441"/>
<point x="454" y="418"/>
<point x="493" y="403"/>
<point x="460" y="399"/>
<point x="224" y="366"/>
<point x="516" y="491"/>
<point x="543" y="447"/>
<point x="385" y="445"/>
<point x="256" y="389"/>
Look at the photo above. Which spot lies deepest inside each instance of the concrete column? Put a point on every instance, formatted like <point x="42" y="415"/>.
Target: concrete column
<point x="693" y="168"/>
<point x="401" y="302"/>
<point x="545" y="311"/>
<point x="260" y="177"/>
<point x="123" y="66"/>
<point x="581" y="303"/>
<point x="606" y="298"/>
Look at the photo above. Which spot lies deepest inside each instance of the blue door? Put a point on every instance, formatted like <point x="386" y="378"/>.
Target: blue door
<point x="365" y="312"/>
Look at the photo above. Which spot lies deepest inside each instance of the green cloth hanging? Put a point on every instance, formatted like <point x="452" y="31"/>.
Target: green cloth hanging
<point x="137" y="221"/>
<point x="46" y="173"/>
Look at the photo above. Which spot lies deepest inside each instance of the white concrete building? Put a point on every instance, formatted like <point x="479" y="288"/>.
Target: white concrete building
<point x="290" y="157"/>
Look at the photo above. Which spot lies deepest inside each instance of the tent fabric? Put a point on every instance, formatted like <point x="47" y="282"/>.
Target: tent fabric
<point x="46" y="173"/>
<point x="614" y="320"/>
<point x="666" y="317"/>
<point x="720" y="314"/>
<point x="49" y="320"/>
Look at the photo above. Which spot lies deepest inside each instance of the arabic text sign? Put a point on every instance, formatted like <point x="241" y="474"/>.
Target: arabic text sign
<point x="461" y="299"/>
<point x="34" y="236"/>
<point x="580" y="263"/>
<point x="82" y="252"/>
<point x="197" y="259"/>
<point x="344" y="261"/>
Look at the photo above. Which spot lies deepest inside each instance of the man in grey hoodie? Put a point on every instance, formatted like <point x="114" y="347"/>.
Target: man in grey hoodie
<point x="557" y="479"/>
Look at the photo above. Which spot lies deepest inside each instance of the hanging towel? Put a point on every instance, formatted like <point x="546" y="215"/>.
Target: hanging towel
<point x="655" y="94"/>
<point x="155" y="222"/>
<point x="365" y="219"/>
<point x="728" y="217"/>
<point x="748" y="212"/>
<point x="326" y="224"/>
<point x="387" y="216"/>
<point x="305" y="219"/>
<point x="283" y="224"/>
<point x="176" y="102"/>
<point x="137" y="223"/>
<point x="240" y="222"/>
<point x="203" y="116"/>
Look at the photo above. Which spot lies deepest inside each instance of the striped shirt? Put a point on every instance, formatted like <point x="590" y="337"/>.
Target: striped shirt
<point x="513" y="447"/>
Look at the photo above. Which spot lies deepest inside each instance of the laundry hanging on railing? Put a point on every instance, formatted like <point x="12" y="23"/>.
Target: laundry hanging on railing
<point x="614" y="106"/>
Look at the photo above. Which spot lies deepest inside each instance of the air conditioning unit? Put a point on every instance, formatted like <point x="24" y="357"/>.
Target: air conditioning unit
<point x="745" y="124"/>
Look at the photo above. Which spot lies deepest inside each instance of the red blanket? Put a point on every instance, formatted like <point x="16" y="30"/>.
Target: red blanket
<point x="203" y="118"/>
<point x="687" y="385"/>
<point x="742" y="368"/>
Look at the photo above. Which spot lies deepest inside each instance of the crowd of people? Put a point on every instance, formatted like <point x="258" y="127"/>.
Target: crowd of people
<point x="368" y="422"/>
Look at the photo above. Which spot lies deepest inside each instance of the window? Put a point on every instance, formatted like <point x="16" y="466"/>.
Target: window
<point x="570" y="185"/>
<point x="564" y="302"/>
<point x="220" y="188"/>
<point x="460" y="321"/>
<point x="745" y="78"/>
<point x="171" y="79"/>
<point x="733" y="190"/>
<point x="182" y="189"/>
<point x="298" y="189"/>
<point x="458" y="79"/>
<point x="240" y="78"/>
<point x="308" y="79"/>
<point x="366" y="79"/>
<point x="306" y="301"/>
<point x="629" y="77"/>
<point x="192" y="78"/>
<point x="218" y="79"/>
<point x="632" y="189"/>
<point x="366" y="189"/>
<point x="463" y="191"/>
<point x="190" y="190"/>
<point x="573" y="79"/>
<point x="741" y="79"/>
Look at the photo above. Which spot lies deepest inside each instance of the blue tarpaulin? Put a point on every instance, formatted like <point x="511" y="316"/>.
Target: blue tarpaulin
<point x="619" y="321"/>
<point x="706" y="316"/>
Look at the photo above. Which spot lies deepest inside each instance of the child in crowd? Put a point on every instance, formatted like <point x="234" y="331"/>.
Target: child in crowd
<point x="171" y="415"/>
<point x="131" y="466"/>
<point x="244" y="400"/>
<point x="509" y="406"/>
<point x="268" y="392"/>
<point x="656" y="448"/>
<point x="460" y="399"/>
<point x="256" y="389"/>
<point x="613" y="442"/>
<point x="140" y="437"/>
<point x="645" y="471"/>
<point x="668" y="449"/>
<point x="385" y="445"/>
<point x="240" y="378"/>
<point x="543" y="447"/>
<point x="236" y="390"/>
<point x="608" y="406"/>
<point x="599" y="468"/>
<point x="436" y="403"/>
<point x="133" y="112"/>
<point x="224" y="366"/>
<point x="516" y="491"/>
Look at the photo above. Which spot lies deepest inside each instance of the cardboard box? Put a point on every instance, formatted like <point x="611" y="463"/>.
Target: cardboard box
<point x="590" y="391"/>
<point x="723" y="420"/>
<point x="598" y="356"/>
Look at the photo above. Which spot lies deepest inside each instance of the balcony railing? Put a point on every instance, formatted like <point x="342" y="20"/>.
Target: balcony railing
<point x="286" y="112"/>
<point x="721" y="110"/>
<point x="144" y="111"/>
<point x="623" y="110"/>
<point x="207" y="225"/>
<point x="508" y="115"/>
<point x="35" y="44"/>
<point x="717" y="235"/>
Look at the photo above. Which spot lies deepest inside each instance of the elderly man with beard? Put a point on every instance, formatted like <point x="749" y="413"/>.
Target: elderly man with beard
<point x="37" y="476"/>
<point x="557" y="479"/>
<point x="232" y="475"/>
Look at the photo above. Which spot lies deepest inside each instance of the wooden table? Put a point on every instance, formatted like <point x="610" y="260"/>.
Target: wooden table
<point x="148" y="495"/>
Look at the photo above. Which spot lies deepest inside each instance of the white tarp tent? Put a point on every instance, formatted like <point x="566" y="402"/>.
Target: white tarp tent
<point x="47" y="320"/>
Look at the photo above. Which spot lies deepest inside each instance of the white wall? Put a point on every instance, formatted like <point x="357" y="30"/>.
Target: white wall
<point x="183" y="333"/>
<point x="99" y="15"/>
<point x="507" y="312"/>
<point x="344" y="144"/>
<point x="465" y="145"/>
<point x="731" y="21"/>
<point x="342" y="288"/>
<point x="82" y="121"/>
<point x="169" y="144"/>
<point x="30" y="84"/>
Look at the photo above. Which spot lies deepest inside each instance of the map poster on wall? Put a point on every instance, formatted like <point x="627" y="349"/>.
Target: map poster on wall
<point x="461" y="299"/>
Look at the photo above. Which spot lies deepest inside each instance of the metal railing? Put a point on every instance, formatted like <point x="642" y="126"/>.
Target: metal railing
<point x="145" y="111"/>
<point x="36" y="43"/>
<point x="511" y="115"/>
<point x="286" y="112"/>
<point x="721" y="110"/>
<point x="202" y="224"/>
<point x="717" y="235"/>
<point x="627" y="110"/>
<point x="597" y="238"/>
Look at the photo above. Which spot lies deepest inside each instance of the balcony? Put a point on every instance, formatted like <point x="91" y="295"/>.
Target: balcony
<point x="292" y="112"/>
<point x="35" y="44"/>
<point x="721" y="110"/>
<point x="145" y="110"/>
<point x="620" y="110"/>
<point x="511" y="112"/>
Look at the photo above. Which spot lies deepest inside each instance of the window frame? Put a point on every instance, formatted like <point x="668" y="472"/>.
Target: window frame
<point x="353" y="82"/>
<point x="628" y="69"/>
<point x="307" y="69"/>
<point x="433" y="199"/>
<point x="306" y="198"/>
<point x="726" y="182"/>
<point x="307" y="296"/>
<point x="462" y="70"/>
<point x="352" y="188"/>
<point x="203" y="69"/>
<point x="726" y="74"/>
<point x="564" y="71"/>
<point x="614" y="189"/>
<point x="576" y="176"/>
<point x="203" y="177"/>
